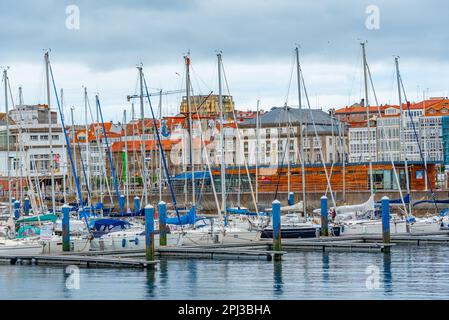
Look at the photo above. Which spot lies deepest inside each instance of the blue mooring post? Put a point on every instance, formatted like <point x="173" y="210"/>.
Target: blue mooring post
<point x="65" y="228"/>
<point x="149" y="232"/>
<point x="386" y="222"/>
<point x="324" y="217"/>
<point x="136" y="205"/>
<point x="162" y="223"/>
<point x="17" y="209"/>
<point x="26" y="206"/>
<point x="122" y="204"/>
<point x="277" y="244"/>
<point x="291" y="198"/>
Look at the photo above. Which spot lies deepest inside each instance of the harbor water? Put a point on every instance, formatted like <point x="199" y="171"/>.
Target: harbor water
<point x="409" y="272"/>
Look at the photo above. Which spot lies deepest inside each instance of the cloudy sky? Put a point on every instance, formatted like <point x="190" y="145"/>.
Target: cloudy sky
<point x="257" y="38"/>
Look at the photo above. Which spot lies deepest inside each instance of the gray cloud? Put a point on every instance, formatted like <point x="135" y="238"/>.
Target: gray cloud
<point x="119" y="34"/>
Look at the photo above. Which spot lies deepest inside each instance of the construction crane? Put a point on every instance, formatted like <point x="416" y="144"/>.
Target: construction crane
<point x="156" y="94"/>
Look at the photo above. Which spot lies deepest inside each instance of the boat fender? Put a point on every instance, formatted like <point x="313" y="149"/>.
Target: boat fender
<point x="123" y="243"/>
<point x="136" y="241"/>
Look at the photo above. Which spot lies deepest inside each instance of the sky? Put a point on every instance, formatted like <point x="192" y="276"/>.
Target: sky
<point x="98" y="44"/>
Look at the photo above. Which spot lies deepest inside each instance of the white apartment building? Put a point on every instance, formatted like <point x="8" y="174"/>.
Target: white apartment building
<point x="29" y="139"/>
<point x="362" y="147"/>
<point x="422" y="128"/>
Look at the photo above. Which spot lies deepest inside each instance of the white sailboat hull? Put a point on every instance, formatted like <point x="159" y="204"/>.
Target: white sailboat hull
<point x="13" y="247"/>
<point x="54" y="246"/>
<point x="230" y="237"/>
<point x="128" y="241"/>
<point x="399" y="227"/>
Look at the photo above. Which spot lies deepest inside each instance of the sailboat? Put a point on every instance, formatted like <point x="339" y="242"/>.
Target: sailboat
<point x="295" y="223"/>
<point x="222" y="229"/>
<point x="359" y="224"/>
<point x="12" y="245"/>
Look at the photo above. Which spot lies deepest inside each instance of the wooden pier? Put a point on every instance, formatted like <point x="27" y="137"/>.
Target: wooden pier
<point x="79" y="260"/>
<point x="262" y="250"/>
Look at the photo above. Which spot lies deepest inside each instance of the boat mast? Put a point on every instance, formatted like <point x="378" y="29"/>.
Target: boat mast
<point x="192" y="165"/>
<point x="223" y="168"/>
<point x="343" y="155"/>
<point x="20" y="137"/>
<point x="126" y="160"/>
<point x="425" y="146"/>
<point x="303" y="174"/>
<point x="5" y="79"/>
<point x="287" y="149"/>
<point x="65" y="165"/>
<point x="50" y="133"/>
<point x="86" y="143"/>
<point x="74" y="147"/>
<point x="366" y="105"/>
<point x="159" y="183"/>
<point x="257" y="152"/>
<point x="401" y="140"/>
<point x="143" y="148"/>
<point x="100" y="153"/>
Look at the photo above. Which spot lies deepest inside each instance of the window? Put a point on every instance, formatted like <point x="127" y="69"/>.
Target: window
<point x="55" y="137"/>
<point x="44" y="138"/>
<point x="34" y="138"/>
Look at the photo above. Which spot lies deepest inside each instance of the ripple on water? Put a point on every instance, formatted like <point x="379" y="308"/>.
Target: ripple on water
<point x="410" y="272"/>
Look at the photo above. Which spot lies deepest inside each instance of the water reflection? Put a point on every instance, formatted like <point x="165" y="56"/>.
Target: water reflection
<point x="151" y="281"/>
<point x="388" y="279"/>
<point x="325" y="267"/>
<point x="278" y="284"/>
<point x="192" y="269"/>
<point x="163" y="272"/>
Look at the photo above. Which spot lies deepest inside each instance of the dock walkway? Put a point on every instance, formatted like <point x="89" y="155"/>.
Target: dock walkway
<point x="80" y="260"/>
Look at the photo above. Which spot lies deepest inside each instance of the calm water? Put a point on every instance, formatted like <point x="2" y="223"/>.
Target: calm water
<point x="409" y="272"/>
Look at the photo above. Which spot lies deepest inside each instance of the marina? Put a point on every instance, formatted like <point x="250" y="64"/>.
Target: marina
<point x="187" y="151"/>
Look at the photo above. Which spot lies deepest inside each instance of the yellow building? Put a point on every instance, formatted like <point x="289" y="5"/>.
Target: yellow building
<point x="207" y="105"/>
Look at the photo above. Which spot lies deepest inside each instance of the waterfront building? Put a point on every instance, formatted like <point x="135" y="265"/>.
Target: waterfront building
<point x="281" y="126"/>
<point x="30" y="154"/>
<point x="206" y="105"/>
<point x="419" y="139"/>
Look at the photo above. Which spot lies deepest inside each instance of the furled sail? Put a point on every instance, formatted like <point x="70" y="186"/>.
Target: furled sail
<point x="297" y="207"/>
<point x="357" y="208"/>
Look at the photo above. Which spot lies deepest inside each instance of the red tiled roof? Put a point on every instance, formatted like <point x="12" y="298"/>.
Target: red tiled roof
<point x="357" y="109"/>
<point x="137" y="145"/>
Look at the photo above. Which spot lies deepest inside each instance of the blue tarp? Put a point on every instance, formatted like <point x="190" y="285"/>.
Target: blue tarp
<point x="188" y="218"/>
<point x="397" y="201"/>
<point x="109" y="223"/>
<point x="245" y="212"/>
<point x="199" y="175"/>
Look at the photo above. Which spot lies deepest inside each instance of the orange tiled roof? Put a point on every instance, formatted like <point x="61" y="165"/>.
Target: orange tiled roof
<point x="358" y="109"/>
<point x="137" y="145"/>
<point x="96" y="129"/>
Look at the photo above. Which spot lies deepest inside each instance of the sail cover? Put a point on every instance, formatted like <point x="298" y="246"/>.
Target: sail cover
<point x="357" y="208"/>
<point x="297" y="207"/>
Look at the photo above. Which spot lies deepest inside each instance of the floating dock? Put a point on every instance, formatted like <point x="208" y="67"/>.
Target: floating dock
<point x="79" y="260"/>
<point x="262" y="250"/>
